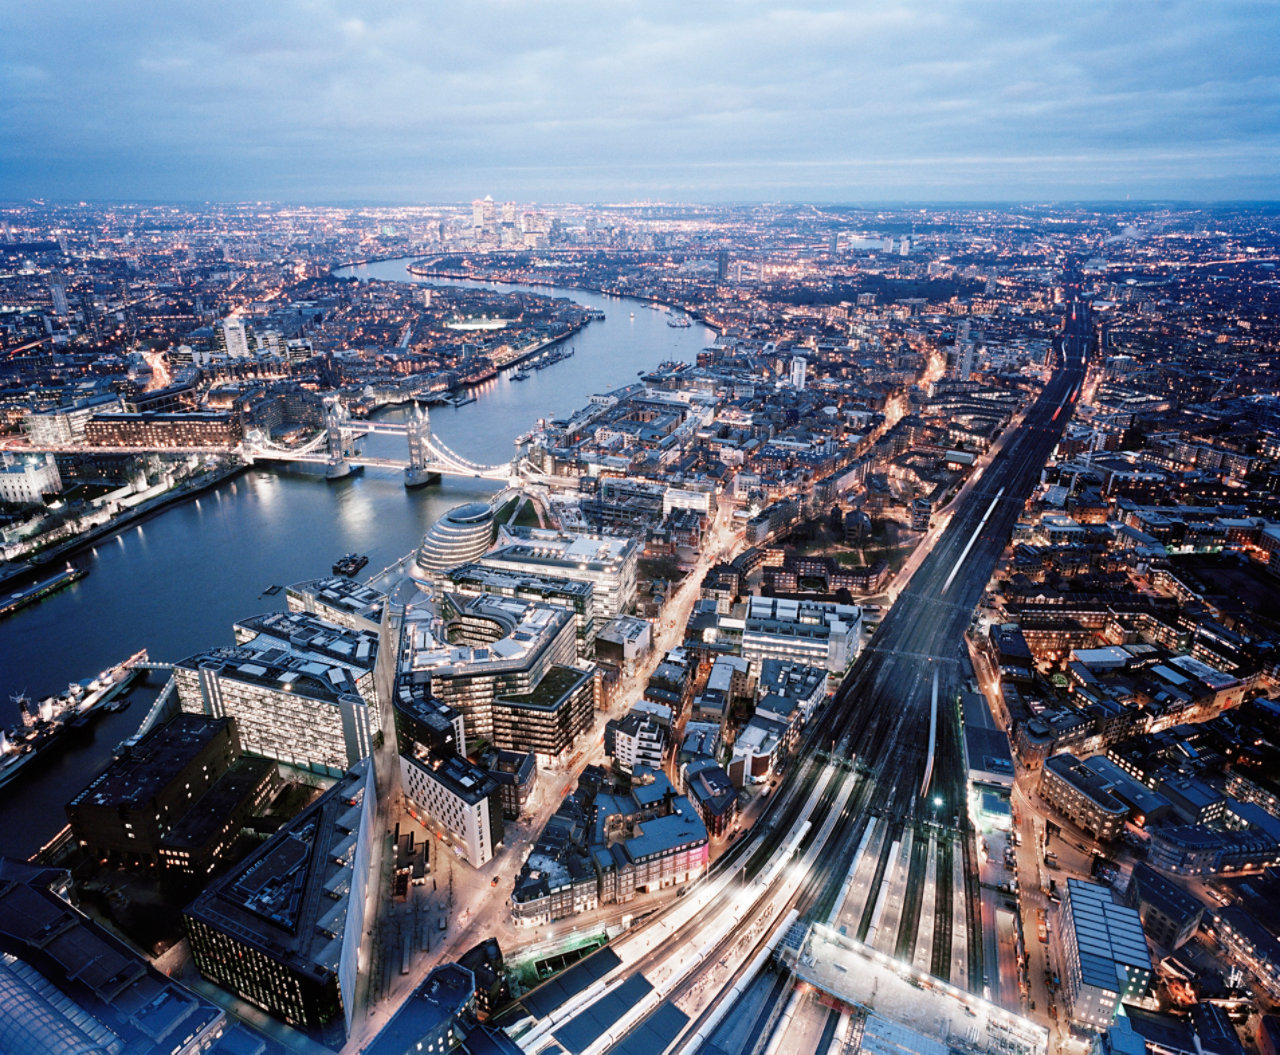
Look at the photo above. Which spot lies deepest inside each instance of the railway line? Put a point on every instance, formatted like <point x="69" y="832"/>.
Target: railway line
<point x="891" y="808"/>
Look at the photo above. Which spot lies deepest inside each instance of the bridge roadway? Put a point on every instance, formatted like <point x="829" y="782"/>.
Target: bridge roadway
<point x="879" y="723"/>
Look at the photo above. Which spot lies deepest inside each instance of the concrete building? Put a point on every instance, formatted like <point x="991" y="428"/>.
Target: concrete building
<point x="283" y="928"/>
<point x="1104" y="957"/>
<point x="790" y="693"/>
<point x="815" y="633"/>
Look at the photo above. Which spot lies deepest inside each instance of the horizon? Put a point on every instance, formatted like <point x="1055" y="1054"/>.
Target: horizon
<point x="920" y="102"/>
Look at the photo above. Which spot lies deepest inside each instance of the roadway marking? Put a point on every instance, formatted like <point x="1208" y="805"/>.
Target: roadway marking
<point x="972" y="539"/>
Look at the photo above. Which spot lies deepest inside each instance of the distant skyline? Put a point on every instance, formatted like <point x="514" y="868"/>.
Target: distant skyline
<point x="313" y="100"/>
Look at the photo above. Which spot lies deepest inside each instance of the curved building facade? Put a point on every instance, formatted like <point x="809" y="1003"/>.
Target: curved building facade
<point x="463" y="534"/>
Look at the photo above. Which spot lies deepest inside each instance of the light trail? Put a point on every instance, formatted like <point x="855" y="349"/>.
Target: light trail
<point x="972" y="539"/>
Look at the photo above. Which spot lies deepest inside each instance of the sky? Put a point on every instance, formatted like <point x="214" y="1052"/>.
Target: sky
<point x="541" y="100"/>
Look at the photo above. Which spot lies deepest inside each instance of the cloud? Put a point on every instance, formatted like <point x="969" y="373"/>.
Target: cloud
<point x="314" y="99"/>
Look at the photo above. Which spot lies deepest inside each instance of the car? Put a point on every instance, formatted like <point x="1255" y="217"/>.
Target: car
<point x="493" y="881"/>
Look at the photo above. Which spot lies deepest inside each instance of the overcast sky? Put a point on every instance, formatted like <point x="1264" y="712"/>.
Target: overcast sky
<point x="311" y="100"/>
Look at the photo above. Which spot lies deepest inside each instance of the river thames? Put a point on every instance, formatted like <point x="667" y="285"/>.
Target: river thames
<point x="175" y="583"/>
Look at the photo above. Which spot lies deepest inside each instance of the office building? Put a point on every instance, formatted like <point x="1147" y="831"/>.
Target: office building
<point x="814" y="633"/>
<point x="283" y="928"/>
<point x="463" y="534"/>
<point x="1104" y="957"/>
<point x="68" y="985"/>
<point x="197" y="844"/>
<point x="301" y="690"/>
<point x="1250" y="944"/>
<point x="473" y="580"/>
<point x="606" y="561"/>
<point x="799" y="369"/>
<point x="126" y="811"/>
<point x="509" y="667"/>
<point x="790" y="692"/>
<point x="339" y="600"/>
<point x="65" y="426"/>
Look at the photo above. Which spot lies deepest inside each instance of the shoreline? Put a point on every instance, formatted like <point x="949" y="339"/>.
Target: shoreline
<point x="41" y="563"/>
<point x="414" y="268"/>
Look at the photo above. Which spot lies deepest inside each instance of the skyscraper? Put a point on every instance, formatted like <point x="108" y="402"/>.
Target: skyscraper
<point x="722" y="266"/>
<point x="799" y="368"/>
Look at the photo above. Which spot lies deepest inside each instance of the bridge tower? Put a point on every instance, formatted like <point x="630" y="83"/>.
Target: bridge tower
<point x="335" y="414"/>
<point x="418" y="473"/>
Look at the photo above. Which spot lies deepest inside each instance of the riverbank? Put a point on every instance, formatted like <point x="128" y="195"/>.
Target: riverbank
<point x="501" y="280"/>
<point x="41" y="562"/>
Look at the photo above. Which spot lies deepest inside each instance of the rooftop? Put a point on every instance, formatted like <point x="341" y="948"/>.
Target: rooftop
<point x="149" y="766"/>
<point x="289" y="898"/>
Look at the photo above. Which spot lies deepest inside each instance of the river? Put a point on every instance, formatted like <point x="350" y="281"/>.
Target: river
<point x="175" y="583"/>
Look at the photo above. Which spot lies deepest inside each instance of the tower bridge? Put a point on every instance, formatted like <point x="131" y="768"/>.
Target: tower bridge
<point x="336" y="448"/>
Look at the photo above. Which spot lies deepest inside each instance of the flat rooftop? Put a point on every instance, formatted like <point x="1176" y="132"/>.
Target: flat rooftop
<point x="290" y="898"/>
<point x="150" y="765"/>
<point x="896" y="992"/>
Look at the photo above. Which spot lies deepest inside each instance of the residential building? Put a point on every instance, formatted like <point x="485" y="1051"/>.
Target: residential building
<point x="148" y="430"/>
<point x="634" y="740"/>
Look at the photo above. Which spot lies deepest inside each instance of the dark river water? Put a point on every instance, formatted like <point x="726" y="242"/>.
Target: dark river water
<point x="175" y="583"/>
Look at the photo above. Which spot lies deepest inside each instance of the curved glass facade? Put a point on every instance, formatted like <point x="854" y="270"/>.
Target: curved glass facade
<point x="461" y="535"/>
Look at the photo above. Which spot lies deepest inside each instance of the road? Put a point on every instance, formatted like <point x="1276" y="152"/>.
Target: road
<point x="894" y="719"/>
